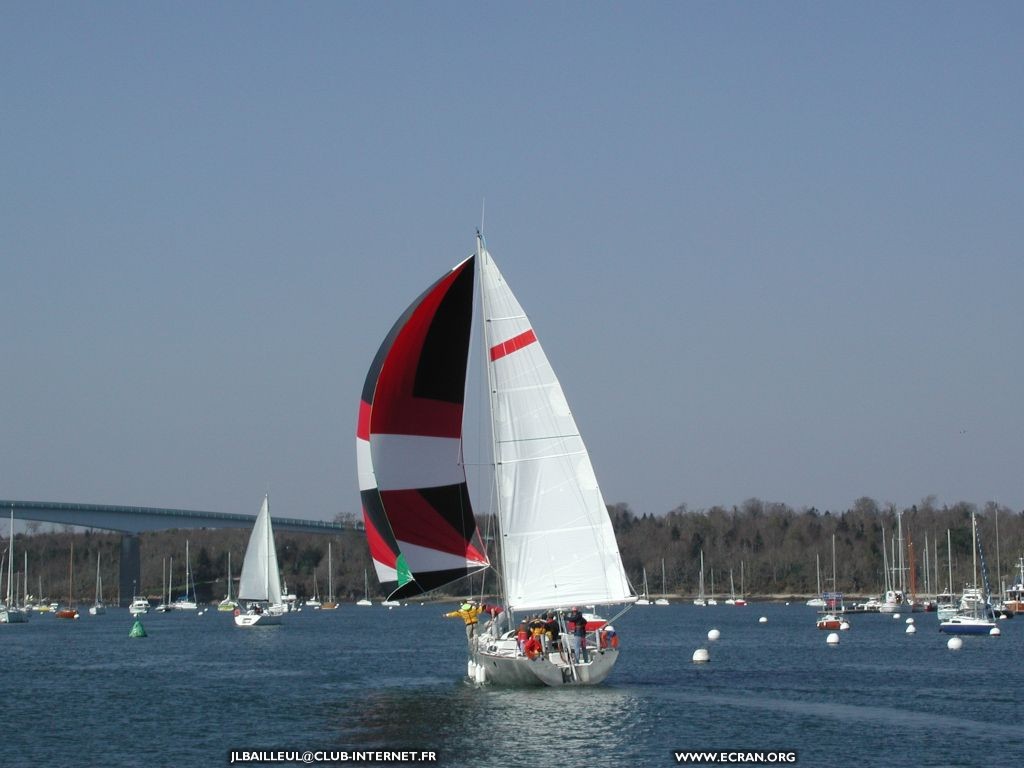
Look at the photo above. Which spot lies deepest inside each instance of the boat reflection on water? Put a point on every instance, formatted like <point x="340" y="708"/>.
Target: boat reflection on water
<point x="461" y="721"/>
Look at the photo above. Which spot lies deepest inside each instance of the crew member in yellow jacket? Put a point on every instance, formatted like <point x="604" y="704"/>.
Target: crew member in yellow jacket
<point x="468" y="612"/>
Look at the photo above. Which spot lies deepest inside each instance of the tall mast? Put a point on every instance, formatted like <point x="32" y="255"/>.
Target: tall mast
<point x="10" y="562"/>
<point x="481" y="258"/>
<point x="974" y="547"/>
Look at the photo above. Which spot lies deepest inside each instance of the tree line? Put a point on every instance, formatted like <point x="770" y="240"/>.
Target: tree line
<point x="773" y="543"/>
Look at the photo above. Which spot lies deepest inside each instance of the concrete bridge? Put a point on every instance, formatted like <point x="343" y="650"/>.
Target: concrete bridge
<point x="131" y="521"/>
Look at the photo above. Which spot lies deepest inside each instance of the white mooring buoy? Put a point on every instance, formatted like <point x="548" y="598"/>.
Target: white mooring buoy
<point x="910" y="620"/>
<point x="895" y="616"/>
<point x="844" y="626"/>
<point x="701" y="656"/>
<point x="994" y="632"/>
<point x="954" y="644"/>
<point x="911" y="629"/>
<point x="763" y="620"/>
<point x="714" y="634"/>
<point x="833" y="638"/>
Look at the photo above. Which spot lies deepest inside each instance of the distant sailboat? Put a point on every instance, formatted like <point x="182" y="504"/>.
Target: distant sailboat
<point x="701" y="600"/>
<point x="259" y="588"/>
<point x="975" y="615"/>
<point x="71" y="612"/>
<point x="187" y="602"/>
<point x="165" y="588"/>
<point x="645" y="597"/>
<point x="739" y="599"/>
<point x="314" y="601"/>
<point x="366" y="591"/>
<point x="228" y="604"/>
<point x="97" y="608"/>
<point x="10" y="613"/>
<point x="818" y="601"/>
<point x="330" y="604"/>
<point x="662" y="600"/>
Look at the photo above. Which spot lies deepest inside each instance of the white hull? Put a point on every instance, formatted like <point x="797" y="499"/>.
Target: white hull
<point x="505" y="667"/>
<point x="364" y="602"/>
<point x="13" y="616"/>
<point x="257" y="619"/>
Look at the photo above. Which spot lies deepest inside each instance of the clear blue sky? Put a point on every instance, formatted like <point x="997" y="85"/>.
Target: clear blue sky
<point x="772" y="249"/>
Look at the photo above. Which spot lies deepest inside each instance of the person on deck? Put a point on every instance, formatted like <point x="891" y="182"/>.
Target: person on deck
<point x="468" y="612"/>
<point x="578" y="626"/>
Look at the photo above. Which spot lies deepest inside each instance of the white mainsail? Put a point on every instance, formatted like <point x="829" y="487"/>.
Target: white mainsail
<point x="558" y="546"/>
<point x="260" y="580"/>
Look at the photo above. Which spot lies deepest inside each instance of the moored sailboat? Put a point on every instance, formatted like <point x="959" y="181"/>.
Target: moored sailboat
<point x="187" y="601"/>
<point x="71" y="612"/>
<point x="645" y="597"/>
<point x="98" y="608"/>
<point x="10" y="613"/>
<point x="365" y="602"/>
<point x="228" y="603"/>
<point x="701" y="600"/>
<point x="663" y="600"/>
<point x="558" y="550"/>
<point x="974" y="617"/>
<point x="330" y="604"/>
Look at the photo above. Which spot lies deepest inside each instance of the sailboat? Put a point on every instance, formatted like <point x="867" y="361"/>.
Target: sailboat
<point x="558" y="550"/>
<point x="366" y="601"/>
<point x="227" y="604"/>
<point x="829" y="617"/>
<point x="945" y="602"/>
<point x="10" y="613"/>
<point x="165" y="588"/>
<point x="330" y="604"/>
<point x="259" y="588"/>
<point x="645" y="596"/>
<point x="187" y="602"/>
<point x="975" y="616"/>
<point x="314" y="601"/>
<point x="701" y="600"/>
<point x="738" y="600"/>
<point x="662" y="600"/>
<point x="71" y="612"/>
<point x="817" y="601"/>
<point x="97" y="608"/>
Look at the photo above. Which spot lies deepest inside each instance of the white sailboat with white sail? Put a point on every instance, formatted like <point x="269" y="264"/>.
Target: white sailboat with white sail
<point x="558" y="550"/>
<point x="259" y="588"/>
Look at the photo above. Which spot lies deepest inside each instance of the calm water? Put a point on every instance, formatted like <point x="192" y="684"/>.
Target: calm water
<point x="83" y="693"/>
